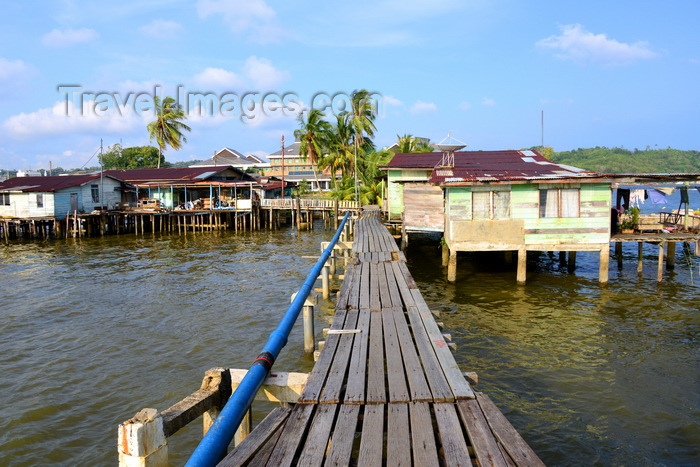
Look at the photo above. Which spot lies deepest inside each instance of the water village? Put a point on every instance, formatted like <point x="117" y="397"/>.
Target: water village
<point x="385" y="388"/>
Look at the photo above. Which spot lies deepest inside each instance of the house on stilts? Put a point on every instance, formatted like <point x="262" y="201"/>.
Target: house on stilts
<point x="511" y="201"/>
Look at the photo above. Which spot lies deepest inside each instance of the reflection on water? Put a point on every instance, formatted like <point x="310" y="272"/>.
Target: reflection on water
<point x="588" y="374"/>
<point x="93" y="330"/>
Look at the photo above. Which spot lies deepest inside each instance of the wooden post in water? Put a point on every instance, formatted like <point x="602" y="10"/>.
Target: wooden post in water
<point x="572" y="261"/>
<point x="445" y="254"/>
<point x="452" y="266"/>
<point x="640" y="248"/>
<point x="298" y="211"/>
<point x="660" y="265"/>
<point x="671" y="256"/>
<point x="604" y="266"/>
<point x="522" y="266"/>
<point x="325" y="285"/>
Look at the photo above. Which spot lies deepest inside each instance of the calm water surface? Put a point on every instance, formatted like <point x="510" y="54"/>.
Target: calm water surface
<point x="93" y="330"/>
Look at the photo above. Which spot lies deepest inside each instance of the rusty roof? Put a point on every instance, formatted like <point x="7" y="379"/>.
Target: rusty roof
<point x="172" y="174"/>
<point x="50" y="183"/>
<point x="490" y="166"/>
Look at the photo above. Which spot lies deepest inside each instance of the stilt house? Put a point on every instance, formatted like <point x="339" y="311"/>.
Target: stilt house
<point x="501" y="201"/>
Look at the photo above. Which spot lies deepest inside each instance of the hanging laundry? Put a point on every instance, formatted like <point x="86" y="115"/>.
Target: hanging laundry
<point x="623" y="198"/>
<point x="637" y="197"/>
<point x="657" y="196"/>
<point x="666" y="190"/>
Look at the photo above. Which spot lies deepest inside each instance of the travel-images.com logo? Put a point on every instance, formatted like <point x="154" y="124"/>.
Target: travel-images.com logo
<point x="249" y="107"/>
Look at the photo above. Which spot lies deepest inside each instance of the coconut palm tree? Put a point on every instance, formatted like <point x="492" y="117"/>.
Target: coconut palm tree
<point x="313" y="135"/>
<point x="168" y="127"/>
<point x="361" y="117"/>
<point x="410" y="143"/>
<point x="340" y="148"/>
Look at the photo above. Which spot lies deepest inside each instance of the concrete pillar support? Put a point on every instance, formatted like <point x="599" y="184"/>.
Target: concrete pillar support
<point x="604" y="267"/>
<point x="452" y="266"/>
<point x="522" y="266"/>
<point x="142" y="441"/>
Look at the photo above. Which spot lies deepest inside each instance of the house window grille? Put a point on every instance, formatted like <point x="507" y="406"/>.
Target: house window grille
<point x="39" y="200"/>
<point x="95" y="190"/>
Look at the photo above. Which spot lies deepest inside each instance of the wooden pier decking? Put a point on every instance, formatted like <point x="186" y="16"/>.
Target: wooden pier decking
<point x="385" y="389"/>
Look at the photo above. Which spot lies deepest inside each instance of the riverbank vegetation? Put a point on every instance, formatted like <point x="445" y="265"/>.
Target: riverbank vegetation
<point x="620" y="160"/>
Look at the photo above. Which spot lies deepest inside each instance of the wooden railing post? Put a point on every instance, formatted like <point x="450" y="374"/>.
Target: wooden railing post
<point x="215" y="379"/>
<point x="142" y="441"/>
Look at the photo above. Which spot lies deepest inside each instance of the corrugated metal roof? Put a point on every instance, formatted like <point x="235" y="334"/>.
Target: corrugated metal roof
<point x="174" y="174"/>
<point x="49" y="184"/>
<point x="489" y="166"/>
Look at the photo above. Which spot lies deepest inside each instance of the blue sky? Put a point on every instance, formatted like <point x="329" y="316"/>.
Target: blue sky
<point x="605" y="73"/>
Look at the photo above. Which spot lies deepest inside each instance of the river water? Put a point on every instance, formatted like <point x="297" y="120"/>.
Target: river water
<point x="93" y="330"/>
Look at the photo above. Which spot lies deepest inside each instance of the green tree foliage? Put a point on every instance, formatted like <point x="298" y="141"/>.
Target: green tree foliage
<point x="409" y="144"/>
<point x="130" y="158"/>
<point x="313" y="135"/>
<point x="620" y="160"/>
<point x="168" y="127"/>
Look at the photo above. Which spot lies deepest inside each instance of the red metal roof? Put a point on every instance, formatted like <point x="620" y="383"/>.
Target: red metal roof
<point x="49" y="184"/>
<point x="173" y="174"/>
<point x="486" y="166"/>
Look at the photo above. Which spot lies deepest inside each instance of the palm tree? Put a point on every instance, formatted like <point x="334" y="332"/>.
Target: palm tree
<point x="410" y="143"/>
<point x="167" y="129"/>
<point x="361" y="117"/>
<point x="313" y="136"/>
<point x="340" y="144"/>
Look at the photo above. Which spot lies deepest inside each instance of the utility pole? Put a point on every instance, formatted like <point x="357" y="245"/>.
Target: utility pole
<point x="542" y="125"/>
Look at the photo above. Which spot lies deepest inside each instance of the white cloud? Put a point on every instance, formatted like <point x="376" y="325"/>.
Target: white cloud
<point x="488" y="102"/>
<point x="577" y="44"/>
<point x="252" y="18"/>
<point x="465" y="105"/>
<point x="391" y="101"/>
<point x="65" y="118"/>
<point x="421" y="107"/>
<point x="161" y="29"/>
<point x="263" y="75"/>
<point x="13" y="75"/>
<point x="217" y="79"/>
<point x="68" y="37"/>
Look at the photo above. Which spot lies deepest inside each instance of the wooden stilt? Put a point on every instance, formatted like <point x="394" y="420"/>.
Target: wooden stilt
<point x="571" y="266"/>
<point x="604" y="266"/>
<point x="640" y="257"/>
<point x="671" y="256"/>
<point x="522" y="266"/>
<point x="452" y="267"/>
<point x="660" y="266"/>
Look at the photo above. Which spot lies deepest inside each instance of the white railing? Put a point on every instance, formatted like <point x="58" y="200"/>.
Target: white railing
<point x="289" y="203"/>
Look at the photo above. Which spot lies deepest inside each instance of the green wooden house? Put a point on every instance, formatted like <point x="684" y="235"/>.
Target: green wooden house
<point x="512" y="201"/>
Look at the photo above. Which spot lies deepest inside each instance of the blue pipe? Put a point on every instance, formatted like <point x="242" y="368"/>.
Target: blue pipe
<point x="213" y="446"/>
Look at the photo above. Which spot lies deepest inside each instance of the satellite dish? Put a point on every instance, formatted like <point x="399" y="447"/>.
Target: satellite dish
<point x="448" y="146"/>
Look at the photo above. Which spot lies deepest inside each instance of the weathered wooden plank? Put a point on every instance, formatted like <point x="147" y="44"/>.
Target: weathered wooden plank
<point x="376" y="389"/>
<point x="483" y="441"/>
<point x="392" y="287"/>
<point x="348" y="285"/>
<point x="314" y="385"/>
<point x="343" y="437"/>
<point x="398" y="445"/>
<point x="372" y="442"/>
<point x="410" y="282"/>
<point x="319" y="433"/>
<point x="422" y="435"/>
<point x="460" y="386"/>
<point x="292" y="435"/>
<point x="511" y="440"/>
<point x="454" y="446"/>
<point x="254" y="442"/>
<point x="336" y="375"/>
<point x="404" y="289"/>
<point x="396" y="375"/>
<point x="384" y="292"/>
<point x="364" y="289"/>
<point x="417" y="383"/>
<point x="375" y="303"/>
<point x="355" y="389"/>
<point x="431" y="365"/>
<point x="264" y="454"/>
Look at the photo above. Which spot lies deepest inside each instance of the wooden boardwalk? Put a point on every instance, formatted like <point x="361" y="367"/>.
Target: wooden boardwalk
<point x="385" y="389"/>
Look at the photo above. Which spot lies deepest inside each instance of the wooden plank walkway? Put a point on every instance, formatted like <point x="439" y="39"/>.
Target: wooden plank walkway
<point x="385" y="389"/>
